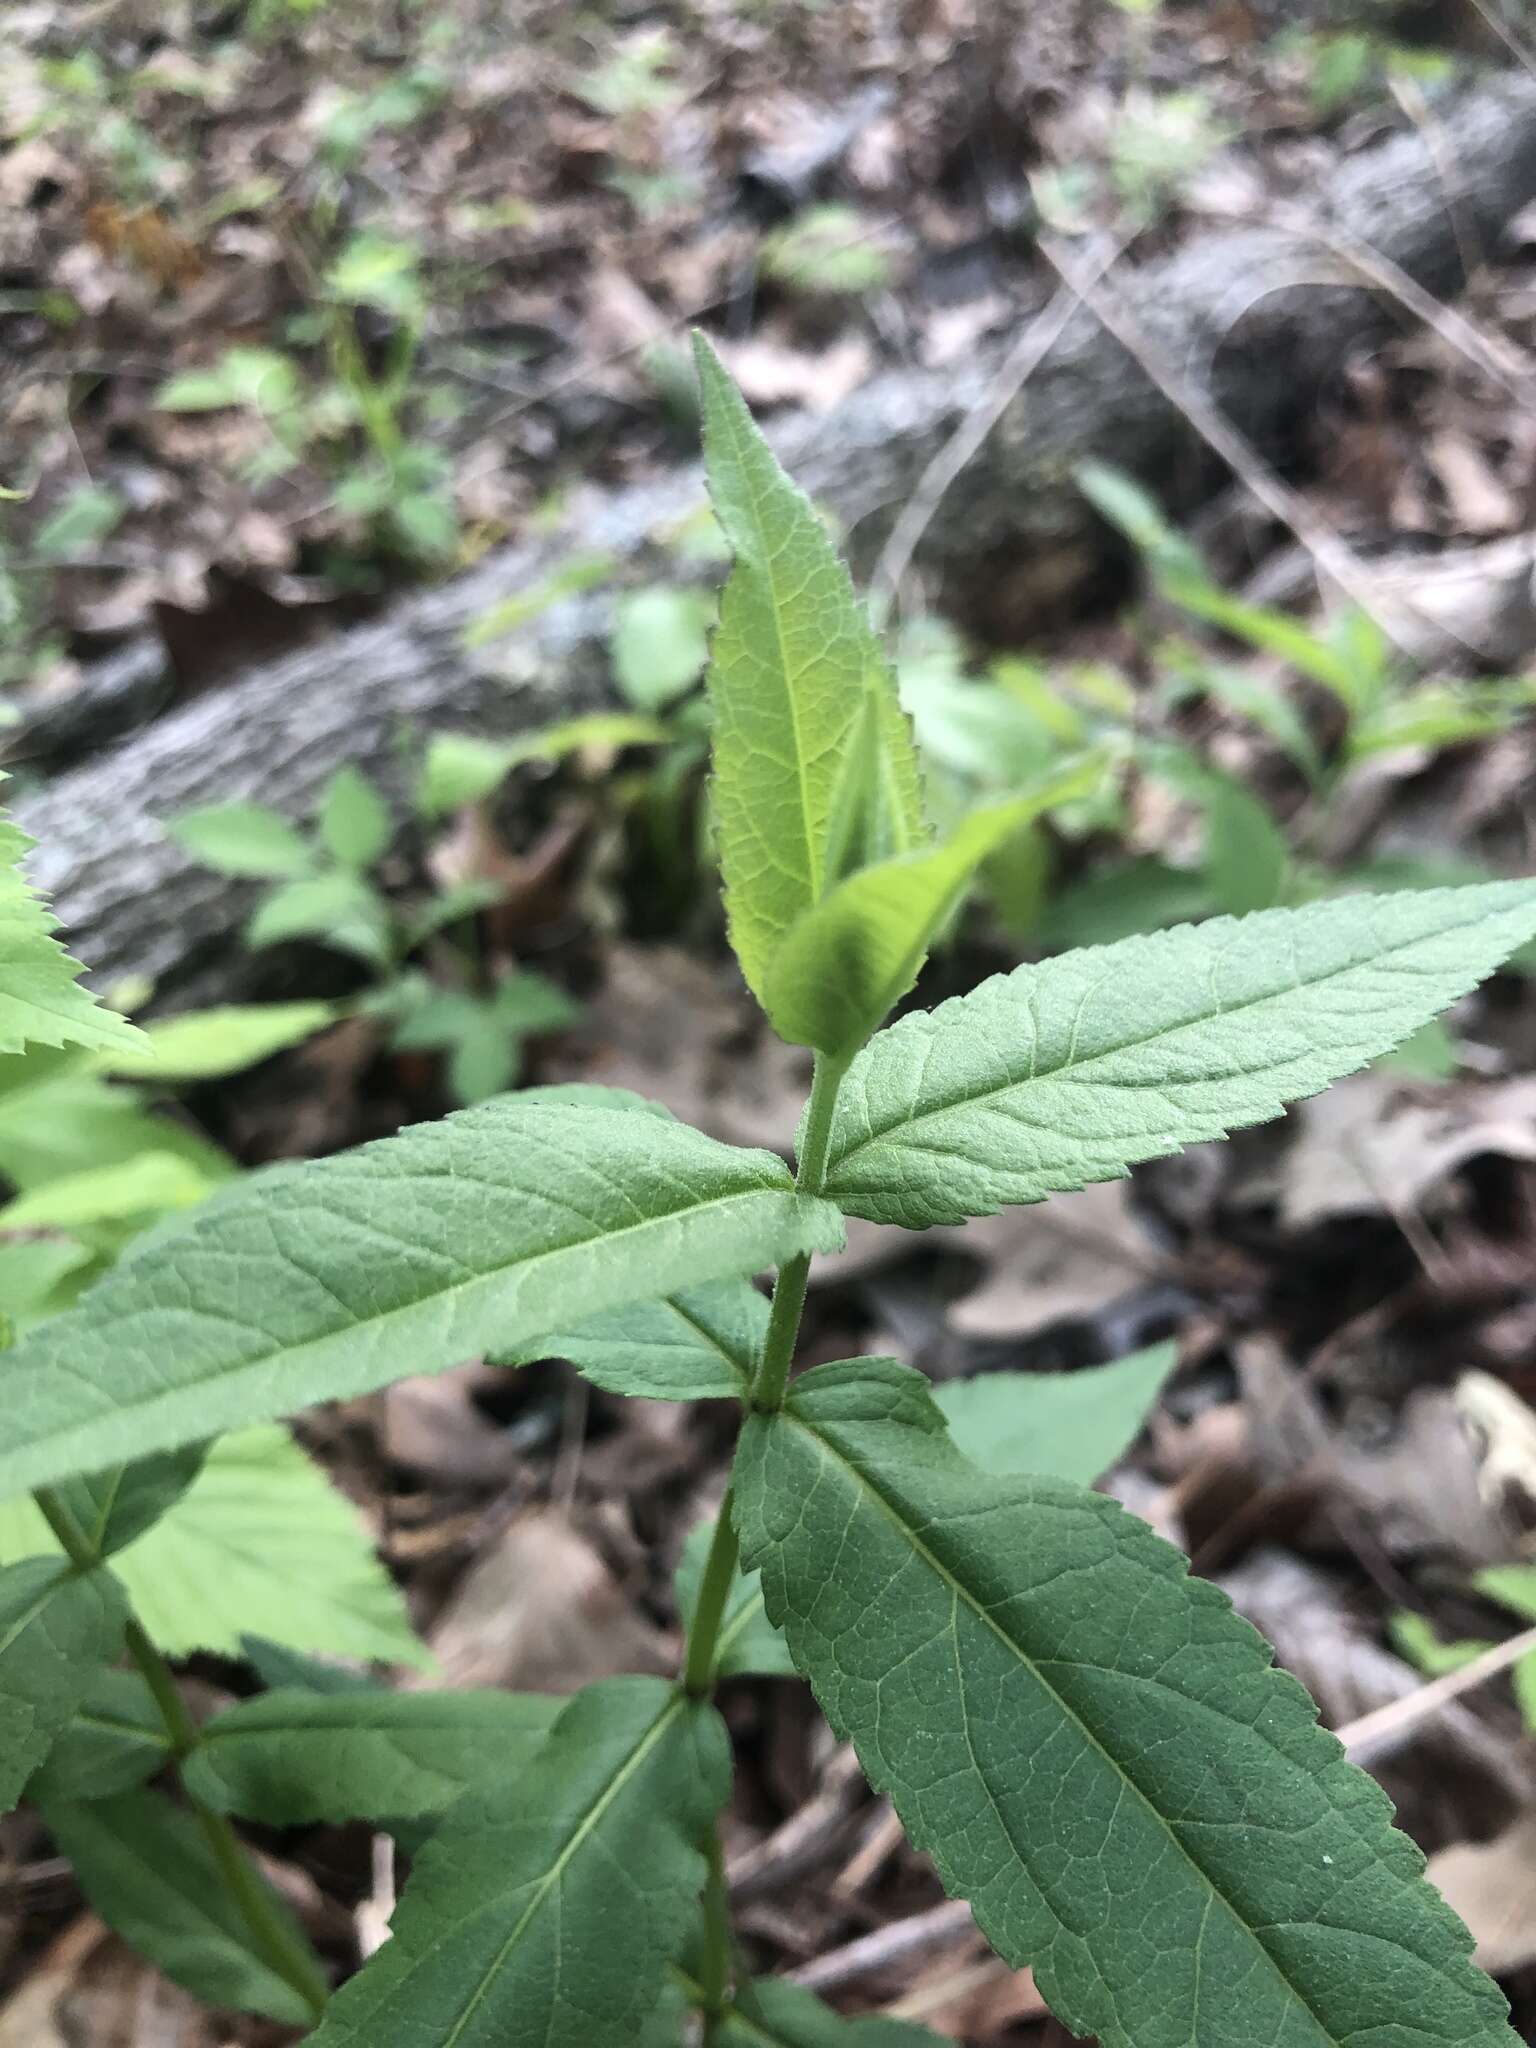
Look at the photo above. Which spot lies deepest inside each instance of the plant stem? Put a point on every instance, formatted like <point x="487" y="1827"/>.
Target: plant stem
<point x="715" y="1959"/>
<point x="291" y="1958"/>
<point x="714" y="1589"/>
<point x="794" y="1274"/>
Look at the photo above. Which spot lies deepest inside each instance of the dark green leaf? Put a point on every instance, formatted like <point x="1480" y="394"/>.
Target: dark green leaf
<point x="700" y="1345"/>
<point x="145" y="1867"/>
<point x="543" y="1907"/>
<point x="115" y="1741"/>
<point x="57" y="1626"/>
<point x="1092" y="1747"/>
<point x="772" y="2013"/>
<point x="292" y="1757"/>
<point x="748" y="1645"/>
<point x="112" y="1507"/>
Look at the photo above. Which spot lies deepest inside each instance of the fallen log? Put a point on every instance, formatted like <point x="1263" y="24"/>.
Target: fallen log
<point x="1234" y="306"/>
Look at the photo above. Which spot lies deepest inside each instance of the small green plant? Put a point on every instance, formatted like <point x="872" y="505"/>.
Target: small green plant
<point x="323" y="889"/>
<point x="1092" y="1747"/>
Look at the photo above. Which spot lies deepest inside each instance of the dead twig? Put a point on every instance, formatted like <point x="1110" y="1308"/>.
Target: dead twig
<point x="800" y="1843"/>
<point x="1386" y="1730"/>
<point x="1013" y="373"/>
<point x="901" y="1941"/>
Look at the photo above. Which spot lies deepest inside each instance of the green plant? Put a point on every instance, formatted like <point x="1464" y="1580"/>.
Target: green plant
<point x="1094" y="1749"/>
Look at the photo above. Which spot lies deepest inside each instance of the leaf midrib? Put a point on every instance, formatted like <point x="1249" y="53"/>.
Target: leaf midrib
<point x="589" y="1820"/>
<point x="960" y="1592"/>
<point x="1074" y="1068"/>
<point x="173" y="1397"/>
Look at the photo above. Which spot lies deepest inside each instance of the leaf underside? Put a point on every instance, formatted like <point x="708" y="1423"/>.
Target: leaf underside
<point x="699" y="1345"/>
<point x="544" y="1908"/>
<point x="326" y="1280"/>
<point x="1071" y="1071"/>
<point x="1091" y="1745"/>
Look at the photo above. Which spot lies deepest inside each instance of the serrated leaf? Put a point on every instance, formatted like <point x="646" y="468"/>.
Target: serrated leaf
<point x="1073" y="1070"/>
<point x="56" y="1625"/>
<point x="115" y="1740"/>
<point x="748" y="1644"/>
<point x="794" y="672"/>
<point x="244" y="839"/>
<point x="1069" y="1425"/>
<point x="205" y="1045"/>
<point x="41" y="1000"/>
<point x="700" y="1345"/>
<point x="324" y="1280"/>
<point x="145" y="1867"/>
<point x="112" y="1508"/>
<point x="292" y="1757"/>
<point x="1091" y="1745"/>
<point x="261" y="1544"/>
<point x="543" y="1908"/>
<point x="770" y="2012"/>
<point x="845" y="963"/>
<point x="354" y="822"/>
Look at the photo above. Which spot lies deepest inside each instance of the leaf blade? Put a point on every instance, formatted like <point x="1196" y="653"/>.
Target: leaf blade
<point x="1092" y="1746"/>
<point x="508" y="1928"/>
<point x="1069" y="1072"/>
<point x="699" y="1345"/>
<point x="56" y="1626"/>
<point x="1071" y="1425"/>
<point x="408" y="1255"/>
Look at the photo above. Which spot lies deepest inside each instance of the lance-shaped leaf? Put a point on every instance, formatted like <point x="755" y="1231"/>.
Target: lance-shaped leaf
<point x="406" y="1256"/>
<point x="1071" y="1425"/>
<point x="748" y="1644"/>
<point x="292" y="1757"/>
<point x="1073" y="1070"/>
<point x="544" y="1907"/>
<point x="699" y="1345"/>
<point x="111" y="1508"/>
<point x="1092" y="1746"/>
<point x="846" y="961"/>
<point x="41" y="1000"/>
<point x="145" y="1866"/>
<point x="808" y="735"/>
<point x="57" y="1625"/>
<point x="115" y="1740"/>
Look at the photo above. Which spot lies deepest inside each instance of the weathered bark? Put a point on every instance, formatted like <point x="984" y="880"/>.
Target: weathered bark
<point x="1227" y="307"/>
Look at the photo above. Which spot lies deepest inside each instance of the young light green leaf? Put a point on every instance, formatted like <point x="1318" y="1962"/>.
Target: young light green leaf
<point x="262" y="1544"/>
<point x="31" y="1274"/>
<point x="64" y="1121"/>
<point x="145" y="1867"/>
<point x="844" y="963"/>
<point x="292" y="1757"/>
<point x="463" y="768"/>
<point x="659" y="647"/>
<point x="41" y="1000"/>
<point x="409" y="1255"/>
<point x="1071" y="1071"/>
<point x="116" y="1740"/>
<point x="112" y="1508"/>
<point x="147" y="1185"/>
<point x="338" y="909"/>
<point x="205" y="1045"/>
<point x="57" y="1625"/>
<point x="544" y="1906"/>
<point x="1093" y="1748"/>
<point x="244" y="839"/>
<point x="770" y="2012"/>
<point x="354" y="821"/>
<point x="749" y="1645"/>
<point x="1068" y="1425"/>
<point x="793" y="667"/>
<point x="1122" y="901"/>
<point x="701" y="1345"/>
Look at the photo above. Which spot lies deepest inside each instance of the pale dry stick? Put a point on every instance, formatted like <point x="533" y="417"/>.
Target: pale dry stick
<point x="1327" y="548"/>
<point x="1386" y="1730"/>
<point x="960" y="1983"/>
<point x="1492" y="355"/>
<point x="901" y="1941"/>
<point x="1523" y="56"/>
<point x="881" y="1841"/>
<point x="1014" y="372"/>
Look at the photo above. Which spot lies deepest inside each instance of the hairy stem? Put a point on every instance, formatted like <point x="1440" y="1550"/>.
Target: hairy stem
<point x="292" y="1959"/>
<point x="789" y="1289"/>
<point x="714" y="1990"/>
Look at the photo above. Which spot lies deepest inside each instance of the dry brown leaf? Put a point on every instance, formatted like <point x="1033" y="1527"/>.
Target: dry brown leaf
<point x="89" y="1990"/>
<point x="541" y="1612"/>
<point x="1492" y="1885"/>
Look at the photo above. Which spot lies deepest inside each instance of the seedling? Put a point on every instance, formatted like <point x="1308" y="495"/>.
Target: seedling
<point x="1089" y="1743"/>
